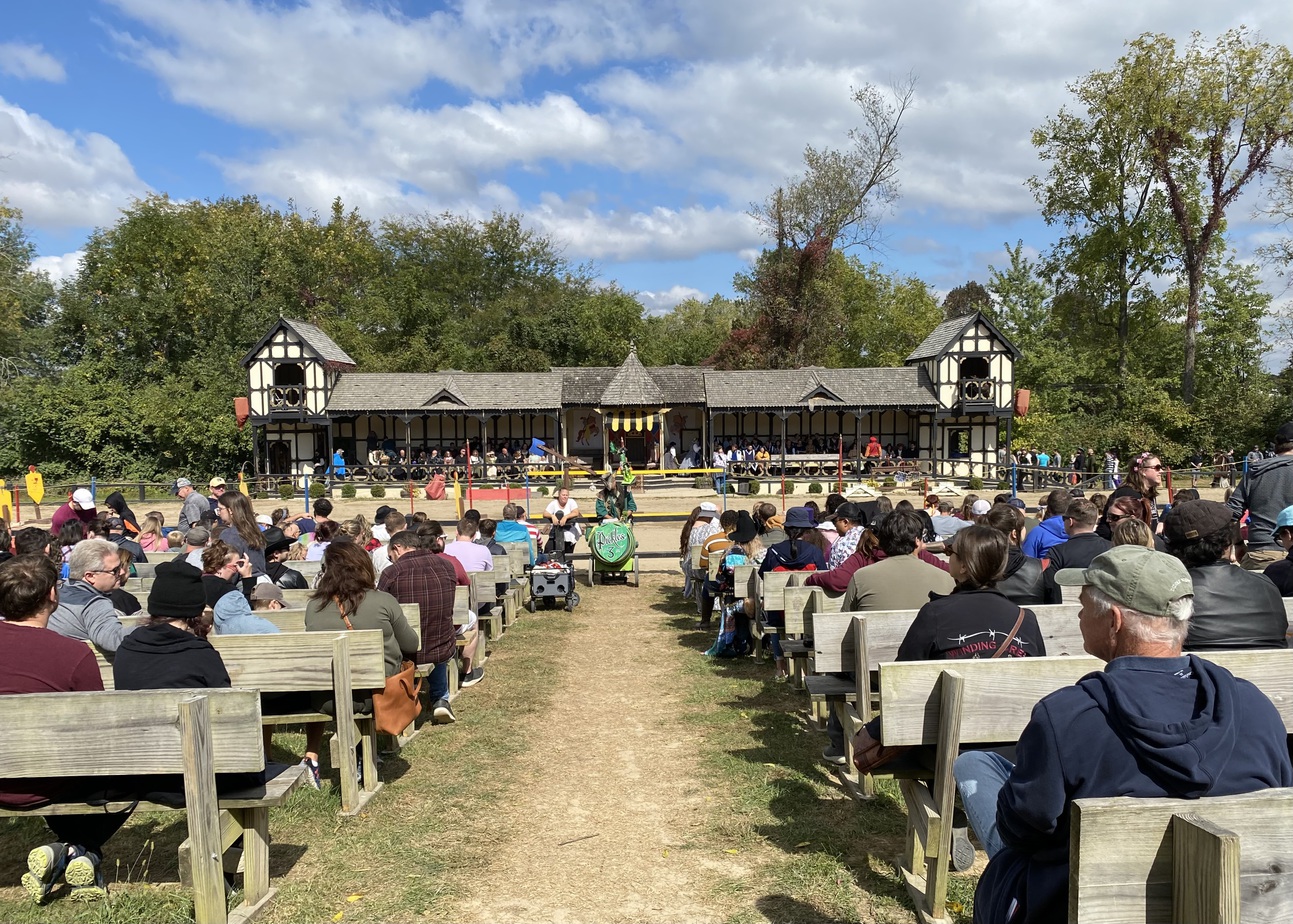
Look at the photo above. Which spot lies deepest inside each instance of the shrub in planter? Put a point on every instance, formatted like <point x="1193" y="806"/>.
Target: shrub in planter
<point x="1003" y="485"/>
<point x="318" y="489"/>
<point x="815" y="488"/>
<point x="790" y="487"/>
<point x="755" y="487"/>
<point x="543" y="490"/>
<point x="700" y="482"/>
<point x="731" y="488"/>
<point x="377" y="491"/>
<point x="890" y="483"/>
<point x="286" y="491"/>
<point x="347" y="490"/>
<point x="516" y="486"/>
<point x="976" y="483"/>
<point x="260" y="495"/>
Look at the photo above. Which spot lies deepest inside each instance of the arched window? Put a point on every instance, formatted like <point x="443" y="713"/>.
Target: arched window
<point x="976" y="386"/>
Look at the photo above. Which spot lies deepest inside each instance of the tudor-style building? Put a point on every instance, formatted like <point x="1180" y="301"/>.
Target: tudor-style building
<point x="306" y="399"/>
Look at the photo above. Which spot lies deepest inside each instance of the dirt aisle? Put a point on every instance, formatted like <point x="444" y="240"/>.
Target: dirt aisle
<point x="610" y="796"/>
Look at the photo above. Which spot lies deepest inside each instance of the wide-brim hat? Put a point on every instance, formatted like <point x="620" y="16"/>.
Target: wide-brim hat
<point x="800" y="518"/>
<point x="745" y="529"/>
<point x="275" y="539"/>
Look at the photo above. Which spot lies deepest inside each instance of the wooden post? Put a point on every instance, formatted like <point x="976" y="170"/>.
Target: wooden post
<point x="1205" y="872"/>
<point x="203" y="812"/>
<point x="344" y="713"/>
<point x="938" y="850"/>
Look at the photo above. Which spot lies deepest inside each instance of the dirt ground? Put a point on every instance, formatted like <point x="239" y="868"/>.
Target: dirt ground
<point x="611" y="796"/>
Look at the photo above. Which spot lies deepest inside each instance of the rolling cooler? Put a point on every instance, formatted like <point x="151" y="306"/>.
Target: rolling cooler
<point x="551" y="580"/>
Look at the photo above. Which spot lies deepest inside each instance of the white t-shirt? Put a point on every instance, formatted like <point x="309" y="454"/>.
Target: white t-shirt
<point x="572" y="529"/>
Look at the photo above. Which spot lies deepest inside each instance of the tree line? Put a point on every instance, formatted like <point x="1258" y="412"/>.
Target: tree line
<point x="1139" y="327"/>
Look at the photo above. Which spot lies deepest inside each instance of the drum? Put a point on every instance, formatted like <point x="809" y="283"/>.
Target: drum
<point x="612" y="544"/>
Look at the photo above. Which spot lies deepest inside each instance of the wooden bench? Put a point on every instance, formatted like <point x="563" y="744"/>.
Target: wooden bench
<point x="345" y="664"/>
<point x="1216" y="860"/>
<point x="196" y="734"/>
<point x="292" y="619"/>
<point x="979" y="702"/>
<point x="518" y="558"/>
<point x="511" y="600"/>
<point x="148" y="569"/>
<point x="483" y="600"/>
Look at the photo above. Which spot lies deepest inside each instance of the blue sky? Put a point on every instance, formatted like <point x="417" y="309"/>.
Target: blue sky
<point x="635" y="133"/>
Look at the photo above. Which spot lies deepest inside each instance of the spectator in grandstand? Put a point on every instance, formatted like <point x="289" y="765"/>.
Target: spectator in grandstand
<point x="79" y="507"/>
<point x="241" y="530"/>
<point x="1022" y="579"/>
<point x="1050" y="532"/>
<point x="84" y="609"/>
<point x="1083" y="545"/>
<point x="1142" y="483"/>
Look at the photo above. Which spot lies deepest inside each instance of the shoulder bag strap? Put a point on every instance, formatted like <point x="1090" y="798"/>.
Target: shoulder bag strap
<point x="346" y="619"/>
<point x="1001" y="649"/>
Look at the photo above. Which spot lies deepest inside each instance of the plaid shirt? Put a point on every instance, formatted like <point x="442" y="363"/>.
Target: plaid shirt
<point x="427" y="579"/>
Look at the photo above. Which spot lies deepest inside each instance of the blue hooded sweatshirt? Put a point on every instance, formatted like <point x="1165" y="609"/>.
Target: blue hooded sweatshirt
<point x="1148" y="727"/>
<point x="233" y="616"/>
<point x="1048" y="534"/>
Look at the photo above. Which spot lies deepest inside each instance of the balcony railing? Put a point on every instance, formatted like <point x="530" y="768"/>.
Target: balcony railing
<point x="286" y="397"/>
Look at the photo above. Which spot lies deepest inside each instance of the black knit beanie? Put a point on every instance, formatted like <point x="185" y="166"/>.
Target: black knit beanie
<point x="177" y="591"/>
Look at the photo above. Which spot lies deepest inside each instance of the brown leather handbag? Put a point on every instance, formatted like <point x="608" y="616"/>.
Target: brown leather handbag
<point x="869" y="754"/>
<point x="400" y="702"/>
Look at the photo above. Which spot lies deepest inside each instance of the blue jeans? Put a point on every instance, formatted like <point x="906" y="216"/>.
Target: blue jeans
<point x="979" y="778"/>
<point x="438" y="682"/>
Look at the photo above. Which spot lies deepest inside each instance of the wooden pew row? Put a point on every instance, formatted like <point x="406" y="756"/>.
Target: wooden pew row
<point x="346" y="664"/>
<point x="945" y="705"/>
<point x="193" y="733"/>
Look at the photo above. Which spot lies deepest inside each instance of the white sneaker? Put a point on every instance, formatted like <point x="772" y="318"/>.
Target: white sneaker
<point x="441" y="714"/>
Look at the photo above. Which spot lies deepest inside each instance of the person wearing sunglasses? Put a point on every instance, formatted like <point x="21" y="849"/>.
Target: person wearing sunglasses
<point x="1144" y="478"/>
<point x="84" y="609"/>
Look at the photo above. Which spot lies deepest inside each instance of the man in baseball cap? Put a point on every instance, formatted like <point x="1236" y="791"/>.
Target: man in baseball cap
<point x="194" y="505"/>
<point x="218" y="487"/>
<point x="1154" y="723"/>
<point x="79" y="507"/>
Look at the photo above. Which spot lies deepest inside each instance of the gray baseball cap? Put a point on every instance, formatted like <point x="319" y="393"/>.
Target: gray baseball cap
<point x="1140" y="578"/>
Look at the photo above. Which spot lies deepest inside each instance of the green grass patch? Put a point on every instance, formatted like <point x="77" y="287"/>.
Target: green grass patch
<point x="827" y="858"/>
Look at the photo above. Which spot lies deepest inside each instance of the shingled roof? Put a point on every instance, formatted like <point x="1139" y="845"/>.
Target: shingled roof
<point x="790" y="388"/>
<point x="420" y="393"/>
<point x="588" y="386"/>
<point x="632" y="386"/>
<point x="941" y="337"/>
<point x="312" y="338"/>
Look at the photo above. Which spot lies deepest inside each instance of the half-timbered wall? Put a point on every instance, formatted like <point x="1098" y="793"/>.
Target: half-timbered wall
<point x="968" y="446"/>
<point x="286" y="379"/>
<point x="976" y="354"/>
<point x="293" y="449"/>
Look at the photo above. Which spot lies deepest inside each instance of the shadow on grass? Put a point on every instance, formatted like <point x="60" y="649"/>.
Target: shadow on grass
<point x="786" y="910"/>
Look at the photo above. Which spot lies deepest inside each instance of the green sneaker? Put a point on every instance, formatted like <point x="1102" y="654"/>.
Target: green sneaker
<point x="85" y="875"/>
<point x="45" y="865"/>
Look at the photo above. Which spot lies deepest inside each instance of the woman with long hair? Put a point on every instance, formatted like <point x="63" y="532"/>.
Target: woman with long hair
<point x="1142" y="483"/>
<point x="346" y="598"/>
<point x="241" y="529"/>
<point x="684" y="551"/>
<point x="1022" y="578"/>
<point x="324" y="533"/>
<point x="150" y="536"/>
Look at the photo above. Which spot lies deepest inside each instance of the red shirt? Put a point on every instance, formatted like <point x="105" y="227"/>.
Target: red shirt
<point x="37" y="660"/>
<point x="459" y="572"/>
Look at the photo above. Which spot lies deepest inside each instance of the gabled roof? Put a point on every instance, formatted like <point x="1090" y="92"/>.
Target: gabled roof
<point x="587" y="386"/>
<point x="632" y="386"/>
<point x="421" y="393"/>
<point x="941" y="338"/>
<point x="908" y="386"/>
<point x="312" y="338"/>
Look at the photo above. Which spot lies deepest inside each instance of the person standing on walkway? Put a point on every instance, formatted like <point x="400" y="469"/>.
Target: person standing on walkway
<point x="1266" y="489"/>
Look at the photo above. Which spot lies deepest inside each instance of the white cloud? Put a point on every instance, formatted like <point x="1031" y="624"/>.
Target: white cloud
<point x="63" y="266"/>
<point x="60" y="178"/>
<point x="666" y="301"/>
<point x="30" y="62"/>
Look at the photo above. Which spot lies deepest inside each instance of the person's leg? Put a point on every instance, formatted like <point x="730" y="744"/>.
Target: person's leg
<point x="89" y="832"/>
<point x="438" y="682"/>
<point x="706" y="605"/>
<point x="979" y="778"/>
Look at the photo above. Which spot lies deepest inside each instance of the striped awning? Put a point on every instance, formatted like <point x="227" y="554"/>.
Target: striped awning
<point x="631" y="421"/>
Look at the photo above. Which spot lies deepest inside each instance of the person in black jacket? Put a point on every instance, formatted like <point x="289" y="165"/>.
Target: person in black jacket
<point x="277" y="544"/>
<point x="170" y="651"/>
<point x="975" y="619"/>
<point x="1083" y="545"/>
<point x="1022" y="580"/>
<point x="1233" y="608"/>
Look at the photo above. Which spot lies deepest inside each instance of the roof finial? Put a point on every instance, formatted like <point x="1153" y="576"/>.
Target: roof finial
<point x="633" y="347"/>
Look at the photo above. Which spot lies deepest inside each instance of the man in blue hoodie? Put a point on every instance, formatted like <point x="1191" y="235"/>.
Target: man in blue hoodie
<point x="1153" y="723"/>
<point x="1050" y="532"/>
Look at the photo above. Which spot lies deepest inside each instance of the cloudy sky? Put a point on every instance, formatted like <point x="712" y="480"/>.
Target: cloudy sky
<point x="637" y="133"/>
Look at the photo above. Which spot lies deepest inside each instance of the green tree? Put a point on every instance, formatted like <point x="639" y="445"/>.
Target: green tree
<point x="26" y="299"/>
<point x="1214" y="118"/>
<point x="967" y="299"/>
<point x="886" y="315"/>
<point x="691" y="332"/>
